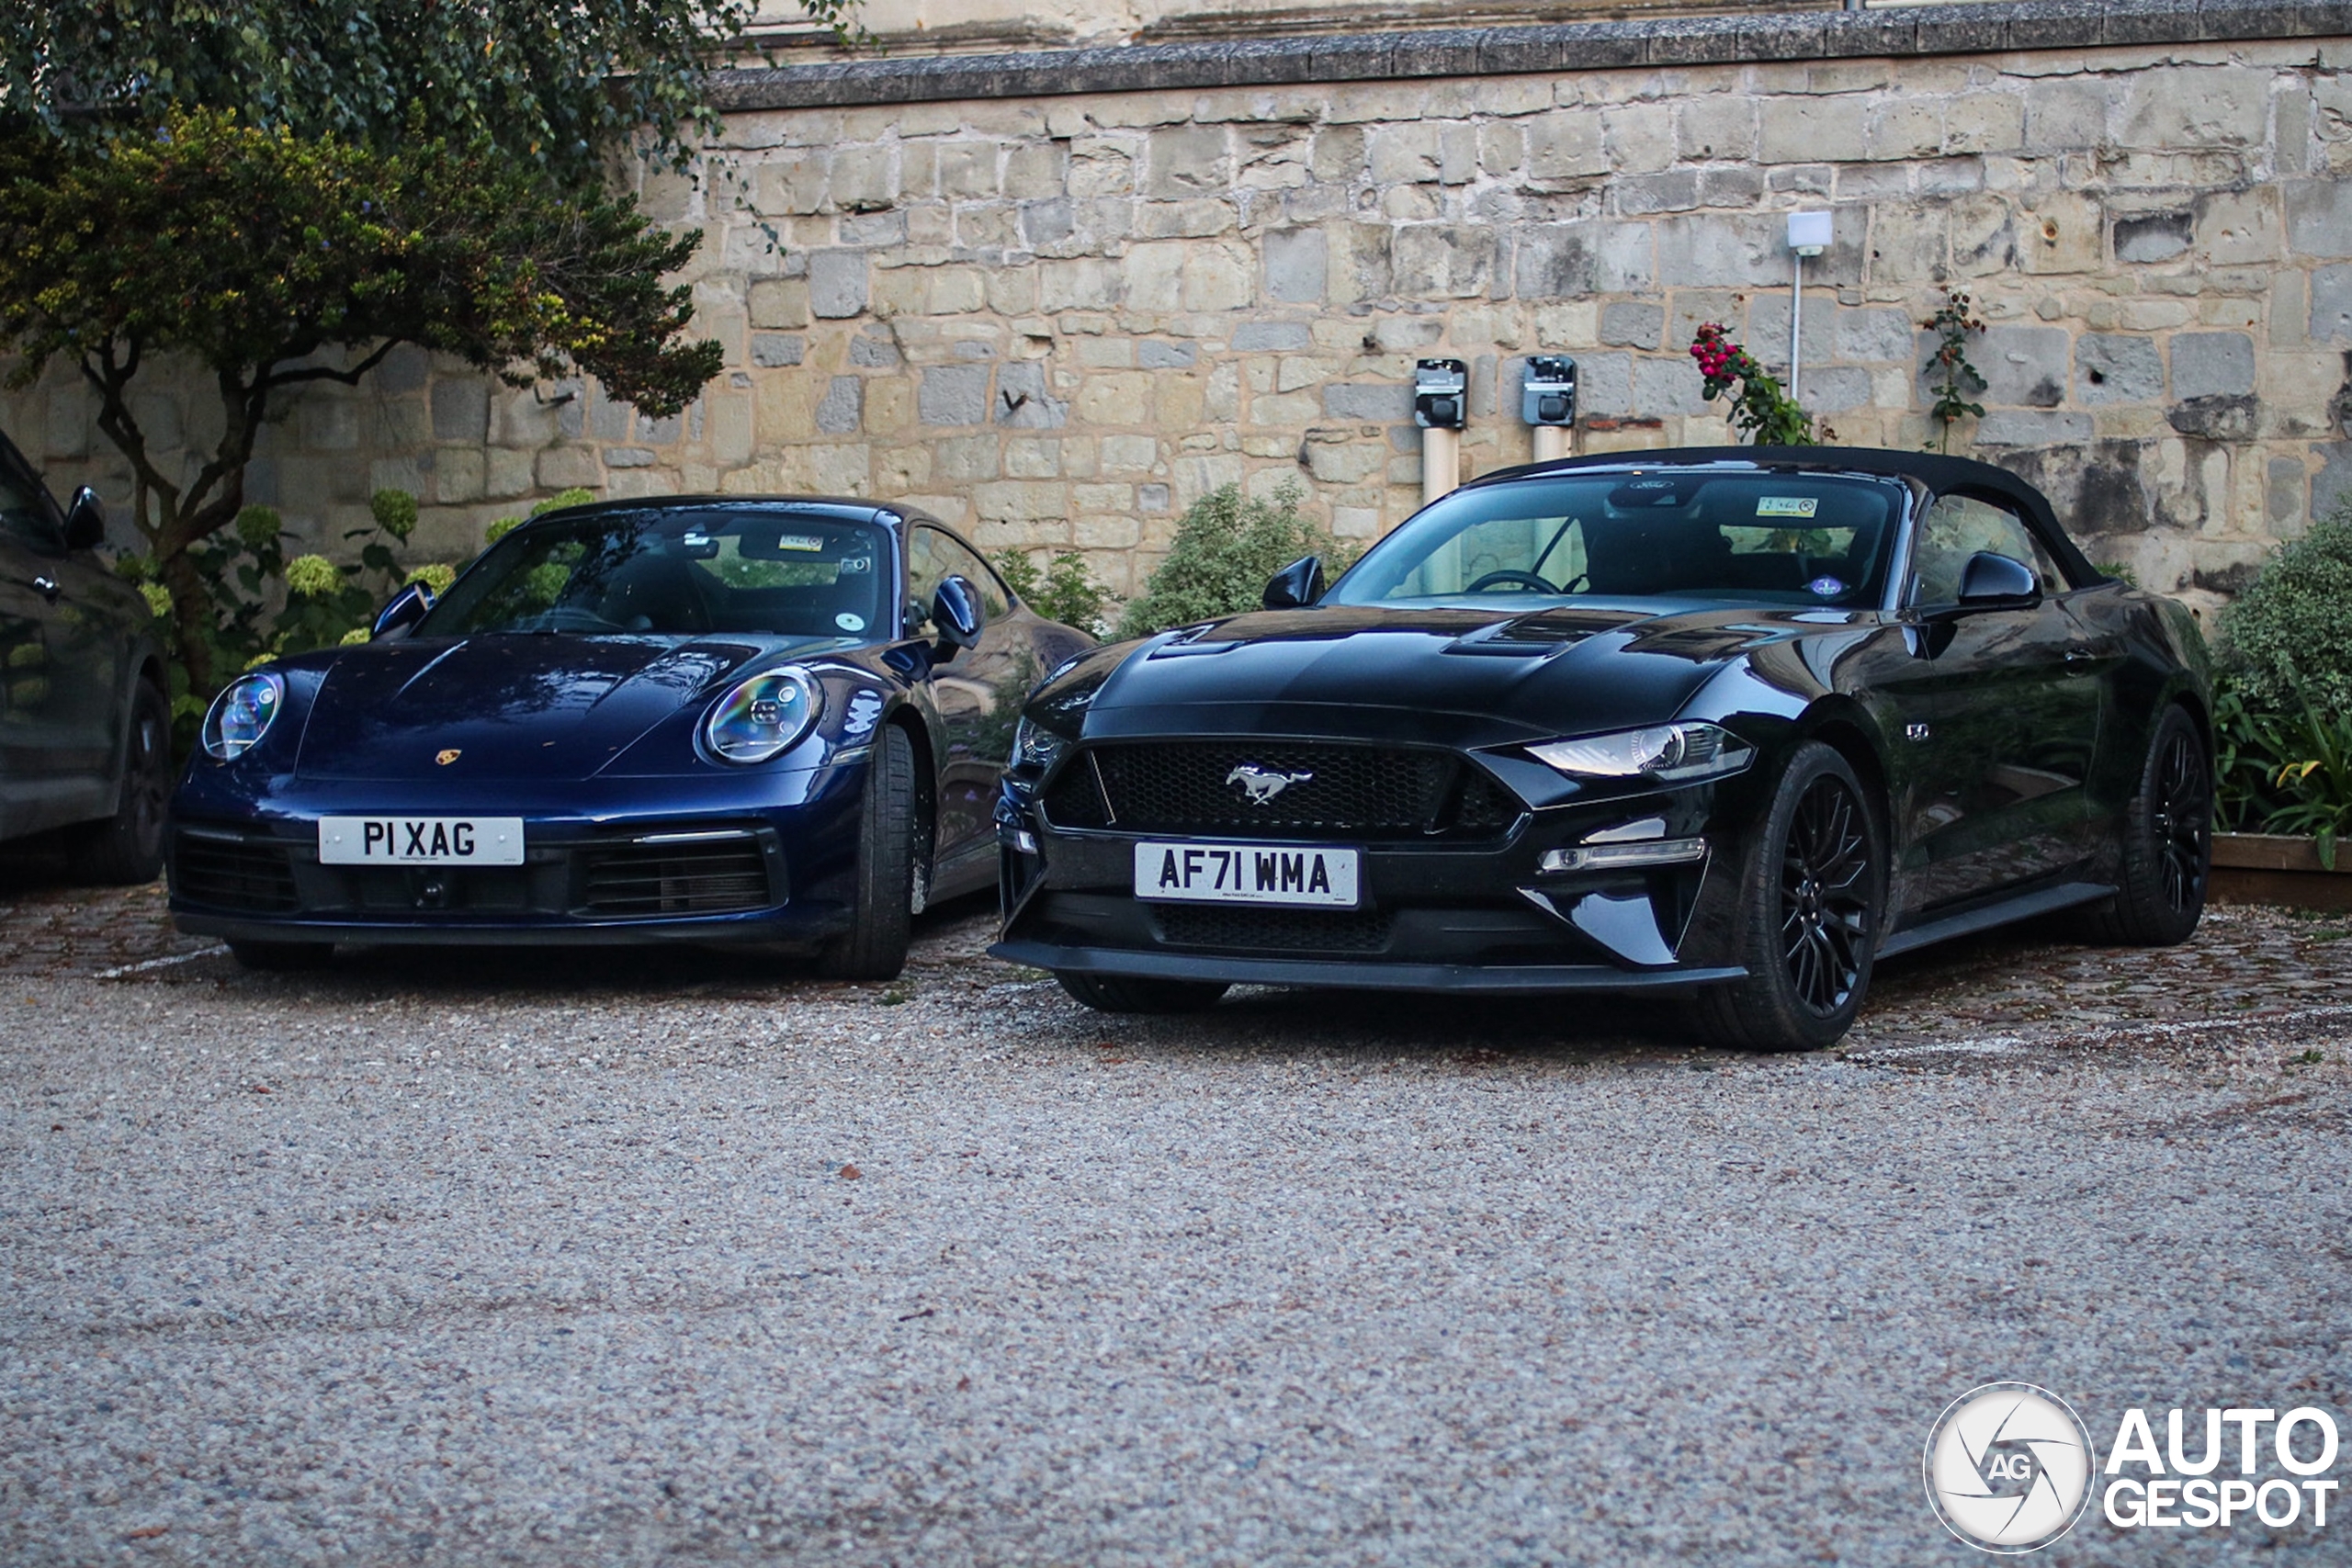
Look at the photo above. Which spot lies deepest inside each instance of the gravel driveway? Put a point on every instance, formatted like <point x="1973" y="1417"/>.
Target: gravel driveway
<point x="539" y="1259"/>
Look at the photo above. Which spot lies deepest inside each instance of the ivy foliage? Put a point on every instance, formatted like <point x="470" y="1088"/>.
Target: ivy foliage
<point x="2288" y="636"/>
<point x="1225" y="549"/>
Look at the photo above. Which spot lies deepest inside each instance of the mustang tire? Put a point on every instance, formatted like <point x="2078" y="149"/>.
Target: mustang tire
<point x="2167" y="848"/>
<point x="1812" y="884"/>
<point x="1128" y="993"/>
<point x="127" y="848"/>
<point x="875" y="947"/>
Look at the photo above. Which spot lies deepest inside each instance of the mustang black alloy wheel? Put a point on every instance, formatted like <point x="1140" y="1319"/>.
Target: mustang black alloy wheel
<point x="875" y="947"/>
<point x="1812" y="882"/>
<point x="129" y="846"/>
<point x="2165" y="845"/>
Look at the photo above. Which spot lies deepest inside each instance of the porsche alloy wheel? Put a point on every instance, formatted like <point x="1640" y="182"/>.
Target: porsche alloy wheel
<point x="875" y="947"/>
<point x="1811" y="885"/>
<point x="2167" y="843"/>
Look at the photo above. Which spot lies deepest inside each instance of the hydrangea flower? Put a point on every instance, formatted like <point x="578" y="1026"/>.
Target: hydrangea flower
<point x="312" y="577"/>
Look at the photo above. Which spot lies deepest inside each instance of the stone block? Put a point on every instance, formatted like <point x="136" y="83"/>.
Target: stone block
<point x="1023" y="401"/>
<point x="2153" y="236"/>
<point x="1130" y="454"/>
<point x="2174" y="110"/>
<point x="1632" y="325"/>
<point x="1984" y="120"/>
<point x="1297" y="262"/>
<point x="460" y="409"/>
<point x="1604" y="384"/>
<point x="1903" y="128"/>
<point x="875" y="349"/>
<point x="2061" y="232"/>
<point x="1737" y="186"/>
<point x="1556" y="261"/>
<point x="1677" y="190"/>
<point x="1118" y="398"/>
<point x="1768" y="327"/>
<point x="1086" y="283"/>
<point x="862" y="179"/>
<point x="1805" y="130"/>
<point x="1501" y="147"/>
<point x="1187" y="160"/>
<point x="2331" y="296"/>
<point x="779" y="302"/>
<point x="1037" y="171"/>
<point x="2025" y="427"/>
<point x="1380" y="402"/>
<point x="2065" y="113"/>
<point x="505" y="473"/>
<point x="570" y="467"/>
<point x="1405" y="155"/>
<point x="1872" y="337"/>
<point x="1723" y="251"/>
<point x="794" y="185"/>
<point x="841" y="410"/>
<point x="2212" y="364"/>
<point x="969" y="169"/>
<point x="1564" y="145"/>
<point x="1668" y="386"/>
<point x="837" y="282"/>
<point x="1334" y="459"/>
<point x="2286" y="487"/>
<point x="964" y="459"/>
<point x="1718" y="126"/>
<point x="1983" y="236"/>
<point x="1404" y="334"/>
<point x="2238" y="228"/>
<point x="2112" y="368"/>
<point x="954" y="394"/>
<point x="2319" y="217"/>
<point x="1639" y="137"/>
<point x="774" y="351"/>
<point x="404" y="370"/>
<point x="325" y="423"/>
<point x="2023" y="365"/>
<point x="1444" y="261"/>
<point x="1152" y="353"/>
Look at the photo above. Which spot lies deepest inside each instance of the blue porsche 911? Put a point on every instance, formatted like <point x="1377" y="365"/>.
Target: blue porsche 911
<point x="776" y="721"/>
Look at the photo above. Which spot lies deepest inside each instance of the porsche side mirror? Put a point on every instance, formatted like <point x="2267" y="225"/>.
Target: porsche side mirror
<point x="1991" y="581"/>
<point x="956" y="611"/>
<point x="400" y="613"/>
<point x="1296" y="586"/>
<point x="85" y="521"/>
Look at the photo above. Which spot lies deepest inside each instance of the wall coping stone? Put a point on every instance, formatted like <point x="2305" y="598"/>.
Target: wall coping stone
<point x="1551" y="50"/>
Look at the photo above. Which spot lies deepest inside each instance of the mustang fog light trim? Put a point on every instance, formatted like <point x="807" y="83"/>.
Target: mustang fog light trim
<point x="1674" y="753"/>
<point x="1621" y="857"/>
<point x="763" y="717"/>
<point x="242" y="715"/>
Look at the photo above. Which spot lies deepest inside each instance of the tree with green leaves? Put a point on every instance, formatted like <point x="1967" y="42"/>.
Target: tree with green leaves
<point x="282" y="191"/>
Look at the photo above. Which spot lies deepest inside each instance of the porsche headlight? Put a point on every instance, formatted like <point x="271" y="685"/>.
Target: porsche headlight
<point x="242" y="715"/>
<point x="1035" y="746"/>
<point x="763" y="717"/>
<point x="1672" y="753"/>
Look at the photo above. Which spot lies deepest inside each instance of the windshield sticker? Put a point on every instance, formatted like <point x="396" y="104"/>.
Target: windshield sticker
<point x="863" y="709"/>
<point x="814" y="542"/>
<point x="1786" y="505"/>
<point x="850" y="622"/>
<point x="1826" y="587"/>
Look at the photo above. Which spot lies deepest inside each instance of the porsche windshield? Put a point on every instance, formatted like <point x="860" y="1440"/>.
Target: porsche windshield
<point x="676" y="574"/>
<point x="1769" y="539"/>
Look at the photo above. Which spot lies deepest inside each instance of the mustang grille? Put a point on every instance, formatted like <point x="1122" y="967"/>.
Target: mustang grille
<point x="1285" y="930"/>
<point x="675" y="879"/>
<point x="229" y="874"/>
<point x="1283" y="789"/>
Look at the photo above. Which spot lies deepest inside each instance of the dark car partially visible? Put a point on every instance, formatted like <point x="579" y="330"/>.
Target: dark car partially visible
<point x="84" y="727"/>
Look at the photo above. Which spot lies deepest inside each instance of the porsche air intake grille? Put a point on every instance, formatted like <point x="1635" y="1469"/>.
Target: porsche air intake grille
<point x="228" y="873"/>
<point x="1274" y="930"/>
<point x="675" y="879"/>
<point x="1282" y="790"/>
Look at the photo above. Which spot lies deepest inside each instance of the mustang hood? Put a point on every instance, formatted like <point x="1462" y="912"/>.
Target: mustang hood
<point x="543" y="708"/>
<point x="1428" y="673"/>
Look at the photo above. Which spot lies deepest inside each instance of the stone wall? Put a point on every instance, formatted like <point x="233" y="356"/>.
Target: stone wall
<point x="1057" y="319"/>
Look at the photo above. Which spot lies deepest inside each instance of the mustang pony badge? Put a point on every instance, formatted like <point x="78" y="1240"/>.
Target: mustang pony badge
<point x="446" y="758"/>
<point x="1261" y="784"/>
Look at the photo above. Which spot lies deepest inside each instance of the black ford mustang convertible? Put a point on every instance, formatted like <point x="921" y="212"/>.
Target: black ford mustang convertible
<point x="1725" y="723"/>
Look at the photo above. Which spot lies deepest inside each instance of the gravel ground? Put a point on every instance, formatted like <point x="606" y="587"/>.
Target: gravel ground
<point x="682" y="1259"/>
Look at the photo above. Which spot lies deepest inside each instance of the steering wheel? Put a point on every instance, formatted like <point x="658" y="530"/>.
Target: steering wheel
<point x="1523" y="579"/>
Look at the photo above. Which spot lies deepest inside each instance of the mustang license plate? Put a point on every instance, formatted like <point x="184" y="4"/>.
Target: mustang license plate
<point x="1247" y="874"/>
<point x="421" y="841"/>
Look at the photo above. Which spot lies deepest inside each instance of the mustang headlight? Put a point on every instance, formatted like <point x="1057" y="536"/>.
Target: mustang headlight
<point x="242" y="715"/>
<point x="1673" y="753"/>
<point x="763" y="717"/>
<point x="1035" y="746"/>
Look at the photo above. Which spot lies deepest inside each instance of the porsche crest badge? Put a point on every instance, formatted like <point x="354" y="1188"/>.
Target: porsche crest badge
<point x="446" y="758"/>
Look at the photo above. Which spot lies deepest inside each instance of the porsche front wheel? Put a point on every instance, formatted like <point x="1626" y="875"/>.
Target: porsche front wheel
<point x="1812" y="882"/>
<point x="875" y="947"/>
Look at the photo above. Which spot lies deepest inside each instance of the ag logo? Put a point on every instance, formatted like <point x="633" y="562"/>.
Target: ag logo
<point x="1261" y="784"/>
<point x="2009" y="1467"/>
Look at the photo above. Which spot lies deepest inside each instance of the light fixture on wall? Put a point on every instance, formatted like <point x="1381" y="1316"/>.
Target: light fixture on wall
<point x="1809" y="235"/>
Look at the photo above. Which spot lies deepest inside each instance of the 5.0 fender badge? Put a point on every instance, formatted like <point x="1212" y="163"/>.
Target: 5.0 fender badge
<point x="446" y="758"/>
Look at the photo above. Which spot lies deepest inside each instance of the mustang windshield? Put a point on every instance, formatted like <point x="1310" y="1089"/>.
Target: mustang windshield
<point x="1767" y="538"/>
<point x="684" y="573"/>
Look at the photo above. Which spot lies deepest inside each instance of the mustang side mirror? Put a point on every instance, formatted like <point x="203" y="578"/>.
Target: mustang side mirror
<point x="85" y="521"/>
<point x="400" y="613"/>
<point x="1296" y="586"/>
<point x="1991" y="581"/>
<point x="956" y="610"/>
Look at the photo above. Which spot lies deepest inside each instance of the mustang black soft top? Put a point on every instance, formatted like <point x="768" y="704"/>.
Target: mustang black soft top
<point x="1941" y="472"/>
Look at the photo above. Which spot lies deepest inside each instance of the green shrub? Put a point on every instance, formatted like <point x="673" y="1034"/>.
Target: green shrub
<point x="2288" y="636"/>
<point x="1225" y="550"/>
<point x="1065" y="590"/>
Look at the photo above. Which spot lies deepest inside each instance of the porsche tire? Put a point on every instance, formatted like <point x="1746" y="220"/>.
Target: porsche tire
<point x="1129" y="993"/>
<point x="281" y="957"/>
<point x="127" y="848"/>
<point x="875" y="947"/>
<point x="2166" y="853"/>
<point x="1811" y="885"/>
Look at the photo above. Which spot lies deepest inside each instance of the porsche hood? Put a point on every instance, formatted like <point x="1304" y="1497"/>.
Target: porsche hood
<point x="541" y="707"/>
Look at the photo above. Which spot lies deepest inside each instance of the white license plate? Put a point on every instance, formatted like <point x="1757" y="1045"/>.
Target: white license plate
<point x="421" y="841"/>
<point x="1247" y="874"/>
